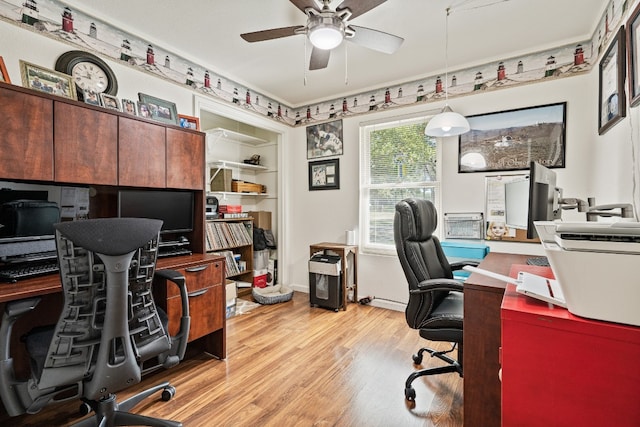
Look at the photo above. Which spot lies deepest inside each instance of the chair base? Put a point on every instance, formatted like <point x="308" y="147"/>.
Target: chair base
<point x="108" y="412"/>
<point x="452" y="366"/>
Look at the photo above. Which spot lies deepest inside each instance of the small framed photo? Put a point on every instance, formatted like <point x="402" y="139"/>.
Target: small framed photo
<point x="90" y="97"/>
<point x="110" y="102"/>
<point x="143" y="110"/>
<point x="129" y="107"/>
<point x="612" y="99"/>
<point x="633" y="56"/>
<point x="189" y="122"/>
<point x="4" y="76"/>
<point x="48" y="81"/>
<point x="161" y="110"/>
<point x="324" y="140"/>
<point x="324" y="175"/>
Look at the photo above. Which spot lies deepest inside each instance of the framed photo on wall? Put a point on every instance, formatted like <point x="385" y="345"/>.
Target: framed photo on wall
<point x="633" y="56"/>
<point x="324" y="175"/>
<point x="512" y="139"/>
<point x="324" y="140"/>
<point x="611" y="98"/>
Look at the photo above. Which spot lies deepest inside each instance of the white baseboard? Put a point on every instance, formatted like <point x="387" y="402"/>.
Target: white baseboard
<point x="381" y="303"/>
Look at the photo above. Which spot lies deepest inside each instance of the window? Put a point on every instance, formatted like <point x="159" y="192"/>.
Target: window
<point x="398" y="161"/>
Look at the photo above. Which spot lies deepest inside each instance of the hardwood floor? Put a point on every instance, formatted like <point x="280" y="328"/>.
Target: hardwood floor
<point x="292" y="365"/>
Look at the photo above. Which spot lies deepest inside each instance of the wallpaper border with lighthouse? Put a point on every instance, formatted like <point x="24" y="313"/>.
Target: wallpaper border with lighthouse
<point x="53" y="19"/>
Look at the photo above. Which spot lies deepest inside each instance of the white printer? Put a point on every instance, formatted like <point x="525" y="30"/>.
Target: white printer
<point x="597" y="266"/>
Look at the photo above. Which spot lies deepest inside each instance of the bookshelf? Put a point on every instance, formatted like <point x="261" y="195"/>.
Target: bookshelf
<point x="233" y="239"/>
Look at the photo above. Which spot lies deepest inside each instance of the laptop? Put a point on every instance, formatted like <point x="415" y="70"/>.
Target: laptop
<point x="532" y="285"/>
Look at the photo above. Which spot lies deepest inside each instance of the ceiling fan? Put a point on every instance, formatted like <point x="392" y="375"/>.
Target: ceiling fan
<point x="327" y="28"/>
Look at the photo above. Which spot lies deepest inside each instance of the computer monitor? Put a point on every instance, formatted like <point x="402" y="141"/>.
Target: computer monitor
<point x="175" y="208"/>
<point x="544" y="197"/>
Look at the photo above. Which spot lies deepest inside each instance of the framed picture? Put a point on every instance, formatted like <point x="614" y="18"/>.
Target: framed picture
<point x="633" y="56"/>
<point x="90" y="97"/>
<point x="159" y="109"/>
<point x="48" y="81"/>
<point x="324" y="140"/>
<point x="110" y="102"/>
<point x="324" y="175"/>
<point x="612" y="100"/>
<point x="512" y="139"/>
<point x="4" y="76"/>
<point x="189" y="122"/>
<point x="143" y="110"/>
<point x="129" y="107"/>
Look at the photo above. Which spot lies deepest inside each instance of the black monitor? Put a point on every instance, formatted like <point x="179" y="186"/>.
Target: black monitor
<point x="173" y="207"/>
<point x="544" y="197"/>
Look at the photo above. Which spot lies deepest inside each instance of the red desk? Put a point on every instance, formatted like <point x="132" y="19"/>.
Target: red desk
<point x="562" y="370"/>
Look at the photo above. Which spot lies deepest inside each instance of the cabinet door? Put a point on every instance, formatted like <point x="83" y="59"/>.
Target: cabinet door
<point x="86" y="144"/>
<point x="185" y="159"/>
<point x="26" y="136"/>
<point x="141" y="154"/>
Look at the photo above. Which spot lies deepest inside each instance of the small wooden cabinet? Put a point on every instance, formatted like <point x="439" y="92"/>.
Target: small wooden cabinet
<point x="142" y="154"/>
<point x="184" y="170"/>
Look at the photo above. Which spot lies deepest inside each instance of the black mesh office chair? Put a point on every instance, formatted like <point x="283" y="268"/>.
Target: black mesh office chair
<point x="108" y="328"/>
<point x="435" y="305"/>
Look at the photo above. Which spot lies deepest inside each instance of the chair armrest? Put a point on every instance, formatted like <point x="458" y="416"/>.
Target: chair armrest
<point x="179" y="341"/>
<point x="459" y="264"/>
<point x="438" y="285"/>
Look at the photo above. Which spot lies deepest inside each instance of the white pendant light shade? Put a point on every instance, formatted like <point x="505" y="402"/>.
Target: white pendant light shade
<point x="325" y="37"/>
<point x="447" y="123"/>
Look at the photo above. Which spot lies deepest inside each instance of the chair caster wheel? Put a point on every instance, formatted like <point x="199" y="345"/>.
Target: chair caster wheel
<point x="84" y="409"/>
<point x="410" y="394"/>
<point x="417" y="359"/>
<point x="168" y="393"/>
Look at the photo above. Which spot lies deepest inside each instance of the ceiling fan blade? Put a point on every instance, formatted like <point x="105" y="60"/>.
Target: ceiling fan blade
<point x="303" y="4"/>
<point x="274" y="33"/>
<point x="376" y="40"/>
<point x="319" y="58"/>
<point x="358" y="7"/>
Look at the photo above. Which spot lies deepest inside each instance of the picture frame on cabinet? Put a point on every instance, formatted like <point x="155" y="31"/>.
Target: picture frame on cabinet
<point x="324" y="140"/>
<point x="47" y="81"/>
<point x="4" y="75"/>
<point x="91" y="98"/>
<point x="110" y="102"/>
<point x="129" y="107"/>
<point x="633" y="56"/>
<point x="324" y="175"/>
<point x="611" y="96"/>
<point x="143" y="110"/>
<point x="160" y="109"/>
<point x="189" y="122"/>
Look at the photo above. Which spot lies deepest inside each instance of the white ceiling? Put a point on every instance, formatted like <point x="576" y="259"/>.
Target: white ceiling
<point x="207" y="32"/>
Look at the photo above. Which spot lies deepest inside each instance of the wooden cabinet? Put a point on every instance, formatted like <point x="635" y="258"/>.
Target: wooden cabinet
<point x="26" y="137"/>
<point x="207" y="301"/>
<point x="185" y="159"/>
<point x="142" y="154"/>
<point x="86" y="145"/>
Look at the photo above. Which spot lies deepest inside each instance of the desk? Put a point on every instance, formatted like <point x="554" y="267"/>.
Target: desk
<point x="208" y="321"/>
<point x="481" y="335"/>
<point x="343" y="251"/>
<point x="579" y="372"/>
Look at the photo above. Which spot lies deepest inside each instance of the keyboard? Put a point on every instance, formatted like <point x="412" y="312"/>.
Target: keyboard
<point x="540" y="261"/>
<point x="15" y="272"/>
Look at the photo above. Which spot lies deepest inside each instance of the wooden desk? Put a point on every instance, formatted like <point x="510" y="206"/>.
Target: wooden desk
<point x="563" y="370"/>
<point x="481" y="335"/>
<point x="343" y="251"/>
<point x="208" y="320"/>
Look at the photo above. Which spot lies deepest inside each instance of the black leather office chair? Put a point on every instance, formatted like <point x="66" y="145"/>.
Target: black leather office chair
<point x="435" y="305"/>
<point x="108" y="328"/>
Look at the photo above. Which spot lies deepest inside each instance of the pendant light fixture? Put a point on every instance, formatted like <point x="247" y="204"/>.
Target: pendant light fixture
<point x="448" y="122"/>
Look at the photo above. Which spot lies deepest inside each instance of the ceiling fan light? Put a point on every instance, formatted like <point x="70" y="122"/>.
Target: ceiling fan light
<point x="447" y="123"/>
<point x="326" y="36"/>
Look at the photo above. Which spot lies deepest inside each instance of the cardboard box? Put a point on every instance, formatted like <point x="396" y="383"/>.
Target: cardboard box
<point x="221" y="179"/>
<point x="260" y="278"/>
<point x="261" y="219"/>
<point x="238" y="186"/>
<point x="232" y="209"/>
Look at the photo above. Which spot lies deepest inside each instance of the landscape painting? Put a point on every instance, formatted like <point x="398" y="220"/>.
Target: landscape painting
<point x="511" y="140"/>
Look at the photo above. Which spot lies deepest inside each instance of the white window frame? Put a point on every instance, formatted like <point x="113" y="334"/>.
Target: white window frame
<point x="367" y="247"/>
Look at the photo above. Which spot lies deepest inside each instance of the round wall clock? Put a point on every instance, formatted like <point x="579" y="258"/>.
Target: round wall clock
<point x="89" y="72"/>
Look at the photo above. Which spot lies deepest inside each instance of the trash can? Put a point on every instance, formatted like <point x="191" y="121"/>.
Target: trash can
<point x="325" y="288"/>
